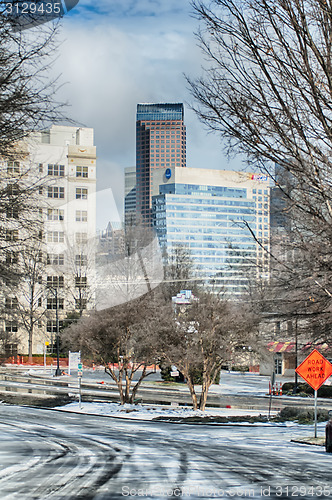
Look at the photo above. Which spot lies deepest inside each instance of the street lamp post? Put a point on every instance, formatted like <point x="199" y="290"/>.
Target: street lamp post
<point x="57" y="371"/>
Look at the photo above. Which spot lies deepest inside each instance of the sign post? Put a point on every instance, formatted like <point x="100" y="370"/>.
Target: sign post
<point x="315" y="370"/>
<point x="45" y="347"/>
<point x="273" y="379"/>
<point x="79" y="374"/>
<point x="74" y="358"/>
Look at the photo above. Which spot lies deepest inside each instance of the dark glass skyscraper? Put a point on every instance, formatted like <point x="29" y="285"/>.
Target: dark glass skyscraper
<point x="160" y="143"/>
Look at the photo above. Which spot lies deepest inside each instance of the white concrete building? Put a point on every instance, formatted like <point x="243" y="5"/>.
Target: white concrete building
<point x="62" y="160"/>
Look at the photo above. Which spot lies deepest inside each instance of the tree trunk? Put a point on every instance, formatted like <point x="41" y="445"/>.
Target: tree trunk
<point x="128" y="384"/>
<point x="30" y="343"/>
<point x="204" y="394"/>
<point x="138" y="383"/>
<point x="192" y="392"/>
<point x="118" y="381"/>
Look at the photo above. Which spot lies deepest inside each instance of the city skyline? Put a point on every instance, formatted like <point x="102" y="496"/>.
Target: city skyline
<point x="116" y="54"/>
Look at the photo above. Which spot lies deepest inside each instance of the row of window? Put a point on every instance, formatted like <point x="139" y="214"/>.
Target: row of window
<point x="81" y="238"/>
<point x="53" y="169"/>
<point x="59" y="192"/>
<point x="59" y="282"/>
<point x="59" y="170"/>
<point x="51" y="325"/>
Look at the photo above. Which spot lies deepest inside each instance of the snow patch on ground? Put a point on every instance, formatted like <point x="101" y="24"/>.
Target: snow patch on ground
<point x="148" y="412"/>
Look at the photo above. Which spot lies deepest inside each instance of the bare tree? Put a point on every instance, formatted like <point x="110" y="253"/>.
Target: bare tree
<point x="30" y="295"/>
<point x="267" y="91"/>
<point x="122" y="340"/>
<point x="132" y="273"/>
<point x="179" y="272"/>
<point x="27" y="94"/>
<point x="204" y="338"/>
<point x="21" y="247"/>
<point x="27" y="103"/>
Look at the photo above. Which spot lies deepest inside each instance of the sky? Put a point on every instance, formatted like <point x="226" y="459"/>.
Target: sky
<point x="117" y="53"/>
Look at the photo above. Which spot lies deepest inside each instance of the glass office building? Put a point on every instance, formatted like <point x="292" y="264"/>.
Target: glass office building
<point x="160" y="144"/>
<point x="215" y="214"/>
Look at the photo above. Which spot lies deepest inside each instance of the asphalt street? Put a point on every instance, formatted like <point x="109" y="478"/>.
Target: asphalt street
<point x="49" y="454"/>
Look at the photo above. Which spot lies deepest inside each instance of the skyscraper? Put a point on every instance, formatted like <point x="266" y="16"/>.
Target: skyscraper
<point x="160" y="144"/>
<point x="214" y="215"/>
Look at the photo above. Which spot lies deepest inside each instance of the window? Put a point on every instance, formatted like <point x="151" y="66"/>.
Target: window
<point x="56" y="170"/>
<point x="55" y="237"/>
<point x="81" y="216"/>
<point x="81" y="260"/>
<point x="55" y="282"/>
<point x="80" y="304"/>
<point x="11" y="234"/>
<point x="82" y="172"/>
<point x="40" y="302"/>
<point x="12" y="212"/>
<point x="81" y="238"/>
<point x="11" y="303"/>
<point x="41" y="168"/>
<point x="55" y="192"/>
<point x="11" y="258"/>
<point x="13" y="167"/>
<point x="10" y="350"/>
<point x="81" y="193"/>
<point x="52" y="303"/>
<point x="54" y="259"/>
<point x="55" y="214"/>
<point x="11" y="327"/>
<point x="81" y="281"/>
<point x="12" y="190"/>
<point x="51" y="326"/>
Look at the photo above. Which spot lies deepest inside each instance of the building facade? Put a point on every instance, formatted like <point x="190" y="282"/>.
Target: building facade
<point x="221" y="217"/>
<point x="130" y="196"/>
<point x="62" y="162"/>
<point x="160" y="144"/>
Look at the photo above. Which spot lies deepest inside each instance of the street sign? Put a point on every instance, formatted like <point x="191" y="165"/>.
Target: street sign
<point x="315" y="369"/>
<point x="80" y="366"/>
<point x="79" y="374"/>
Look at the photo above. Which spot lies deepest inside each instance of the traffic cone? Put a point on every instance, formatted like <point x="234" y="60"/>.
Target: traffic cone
<point x="18" y="360"/>
<point x="93" y="367"/>
<point x="269" y="388"/>
<point x="280" y="389"/>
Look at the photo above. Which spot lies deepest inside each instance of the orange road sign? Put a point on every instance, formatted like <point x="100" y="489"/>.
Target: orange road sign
<point x="315" y="369"/>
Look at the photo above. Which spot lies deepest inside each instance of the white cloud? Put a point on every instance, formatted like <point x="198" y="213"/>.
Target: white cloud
<point x="137" y="51"/>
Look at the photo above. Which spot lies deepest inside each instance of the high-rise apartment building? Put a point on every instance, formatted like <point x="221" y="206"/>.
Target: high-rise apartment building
<point x="62" y="162"/>
<point x="214" y="214"/>
<point x="160" y="144"/>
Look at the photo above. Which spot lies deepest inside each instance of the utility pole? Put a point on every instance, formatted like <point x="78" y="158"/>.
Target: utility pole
<point x="296" y="358"/>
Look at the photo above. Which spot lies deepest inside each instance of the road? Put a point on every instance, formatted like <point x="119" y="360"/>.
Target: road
<point x="47" y="454"/>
